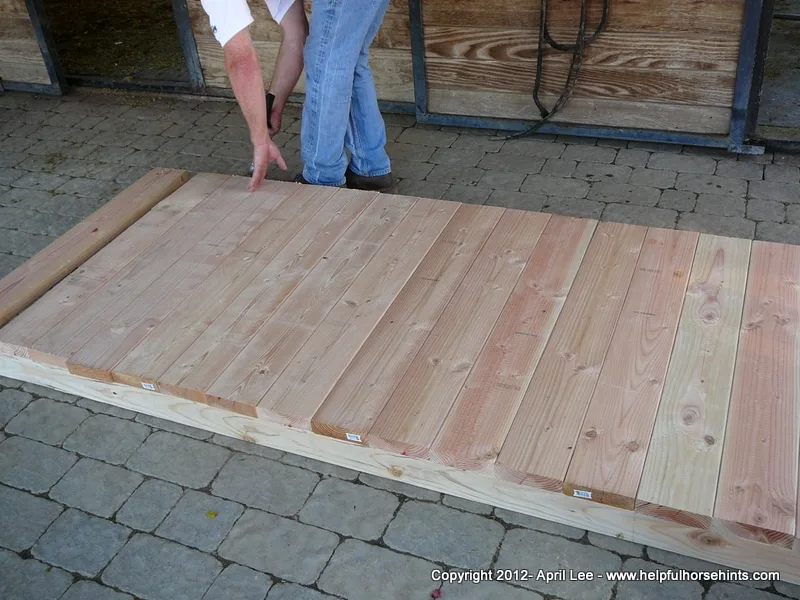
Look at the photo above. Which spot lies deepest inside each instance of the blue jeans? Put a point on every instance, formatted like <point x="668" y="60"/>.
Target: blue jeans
<point x="341" y="105"/>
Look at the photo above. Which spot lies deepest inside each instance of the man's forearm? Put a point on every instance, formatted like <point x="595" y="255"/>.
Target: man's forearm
<point x="289" y="64"/>
<point x="247" y="81"/>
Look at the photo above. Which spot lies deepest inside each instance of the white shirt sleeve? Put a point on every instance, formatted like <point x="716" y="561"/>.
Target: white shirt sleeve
<point x="229" y="17"/>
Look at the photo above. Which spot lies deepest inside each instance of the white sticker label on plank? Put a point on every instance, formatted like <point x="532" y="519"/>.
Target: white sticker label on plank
<point x="582" y="494"/>
<point x="149" y="386"/>
<point x="353" y="437"/>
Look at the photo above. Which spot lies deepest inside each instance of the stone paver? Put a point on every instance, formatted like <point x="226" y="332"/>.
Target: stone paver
<point x="656" y="590"/>
<point x="192" y="432"/>
<point x="149" y="505"/>
<point x="239" y="583"/>
<point x="80" y="542"/>
<point x="618" y="545"/>
<point x="515" y="518"/>
<point x="200" y="521"/>
<point x="89" y="590"/>
<point x="553" y="554"/>
<point x="319" y="467"/>
<point x="106" y="438"/>
<point x="191" y="463"/>
<point x="158" y="569"/>
<point x="732" y="591"/>
<point x="487" y="590"/>
<point x="723" y="206"/>
<point x="30" y="579"/>
<point x="250" y="481"/>
<point x="351" y="574"/>
<point x="669" y="161"/>
<point x="45" y="392"/>
<point x="716" y="225"/>
<point x="775" y="190"/>
<point x="445" y="535"/>
<point x="96" y="487"/>
<point x="640" y="215"/>
<point x="11" y="403"/>
<point x="246" y="447"/>
<point x="292" y="591"/>
<point x="24" y="518"/>
<point x="284" y="548"/>
<point x="350" y="509"/>
<point x="31" y="465"/>
<point x="47" y="421"/>
<point x="467" y="505"/>
<point x="625" y="193"/>
<point x="399" y="487"/>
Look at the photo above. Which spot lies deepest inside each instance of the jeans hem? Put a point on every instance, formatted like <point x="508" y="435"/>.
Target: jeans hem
<point x="378" y="173"/>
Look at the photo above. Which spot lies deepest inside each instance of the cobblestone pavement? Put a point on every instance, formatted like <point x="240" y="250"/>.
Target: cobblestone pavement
<point x="99" y="503"/>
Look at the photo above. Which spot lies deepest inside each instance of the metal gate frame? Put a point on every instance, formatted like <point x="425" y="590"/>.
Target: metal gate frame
<point x="746" y="95"/>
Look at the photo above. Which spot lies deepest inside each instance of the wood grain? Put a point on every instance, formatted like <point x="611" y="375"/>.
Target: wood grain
<point x="209" y="355"/>
<point x="256" y="368"/>
<point x="366" y="386"/>
<point x="475" y="428"/>
<point x="610" y="452"/>
<point x="21" y="57"/>
<point x="709" y="88"/>
<point x="600" y="112"/>
<point x="79" y="326"/>
<point x="149" y="360"/>
<point x="114" y="341"/>
<point x="540" y="443"/>
<point x="418" y="407"/>
<point x="758" y="481"/>
<point x="49" y="310"/>
<point x="671" y="50"/>
<point x="310" y="376"/>
<point x="718" y="17"/>
<point x="23" y="286"/>
<point x="683" y="460"/>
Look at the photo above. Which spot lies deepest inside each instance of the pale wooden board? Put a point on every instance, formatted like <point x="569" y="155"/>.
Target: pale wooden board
<point x="758" y="481"/>
<point x="586" y="111"/>
<point x="475" y="428"/>
<point x="420" y="403"/>
<point x="645" y="50"/>
<point x="312" y="373"/>
<point x="212" y="352"/>
<point x="161" y="348"/>
<point x="540" y="443"/>
<point x="90" y="316"/>
<point x="111" y="344"/>
<point x="20" y="288"/>
<point x="48" y="311"/>
<point x="716" y="546"/>
<point x="366" y="386"/>
<point x="258" y="365"/>
<point x="679" y="480"/>
<point x="21" y="57"/>
<point x="611" y="450"/>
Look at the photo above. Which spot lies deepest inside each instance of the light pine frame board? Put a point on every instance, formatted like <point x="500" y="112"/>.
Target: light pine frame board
<point x="597" y="374"/>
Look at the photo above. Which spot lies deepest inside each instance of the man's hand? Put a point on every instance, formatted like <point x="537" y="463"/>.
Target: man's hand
<point x="264" y="154"/>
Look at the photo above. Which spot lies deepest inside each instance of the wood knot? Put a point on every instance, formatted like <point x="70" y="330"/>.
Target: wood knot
<point x="436" y="361"/>
<point x="710" y="540"/>
<point x="710" y="317"/>
<point x="782" y="320"/>
<point x="351" y="303"/>
<point x="632" y="446"/>
<point x="395" y="471"/>
<point x="568" y="355"/>
<point x="759" y="518"/>
<point x="690" y="415"/>
<point x="591" y="433"/>
<point x="709" y="439"/>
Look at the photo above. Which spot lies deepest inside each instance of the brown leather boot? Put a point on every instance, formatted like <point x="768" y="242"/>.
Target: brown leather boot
<point x="381" y="183"/>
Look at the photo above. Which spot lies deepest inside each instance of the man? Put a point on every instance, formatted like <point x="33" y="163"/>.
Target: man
<point x="230" y="21"/>
<point x="341" y="105"/>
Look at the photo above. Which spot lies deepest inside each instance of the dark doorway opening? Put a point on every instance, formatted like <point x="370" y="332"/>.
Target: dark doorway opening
<point x="117" y="42"/>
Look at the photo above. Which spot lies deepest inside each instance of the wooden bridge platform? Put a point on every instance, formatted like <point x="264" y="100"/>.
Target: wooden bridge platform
<point x="637" y="382"/>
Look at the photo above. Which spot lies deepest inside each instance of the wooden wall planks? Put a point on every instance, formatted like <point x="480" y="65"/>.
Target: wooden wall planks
<point x="21" y="58"/>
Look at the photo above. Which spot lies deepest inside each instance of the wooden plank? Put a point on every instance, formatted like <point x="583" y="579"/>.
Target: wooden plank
<point x="674" y="86"/>
<point x="719" y="17"/>
<point x="542" y="437"/>
<point x="716" y="546"/>
<point x="418" y="407"/>
<point x="758" y="481"/>
<point x="610" y="453"/>
<point x="309" y="377"/>
<point x="88" y="318"/>
<point x="255" y="369"/>
<point x="475" y="429"/>
<point x="391" y="68"/>
<point x="646" y="50"/>
<point x="21" y="57"/>
<point x="30" y="325"/>
<point x="679" y="480"/>
<point x="366" y="386"/>
<point x="23" y="286"/>
<point x="211" y="353"/>
<point x="172" y="337"/>
<point x="115" y="340"/>
<point x="585" y="111"/>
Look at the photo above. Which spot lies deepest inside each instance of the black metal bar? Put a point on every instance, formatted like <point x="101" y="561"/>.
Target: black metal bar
<point x="786" y="17"/>
<point x="33" y="88"/>
<point x="748" y="46"/>
<point x="188" y="44"/>
<point x="418" y="56"/>
<point x="41" y="28"/>
<point x="136" y="86"/>
<point x="759" y="64"/>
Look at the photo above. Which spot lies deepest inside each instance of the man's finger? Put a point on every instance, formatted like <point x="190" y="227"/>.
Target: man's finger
<point x="281" y="162"/>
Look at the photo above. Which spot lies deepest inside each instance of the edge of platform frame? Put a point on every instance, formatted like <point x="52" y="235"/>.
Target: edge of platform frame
<point x="706" y="544"/>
